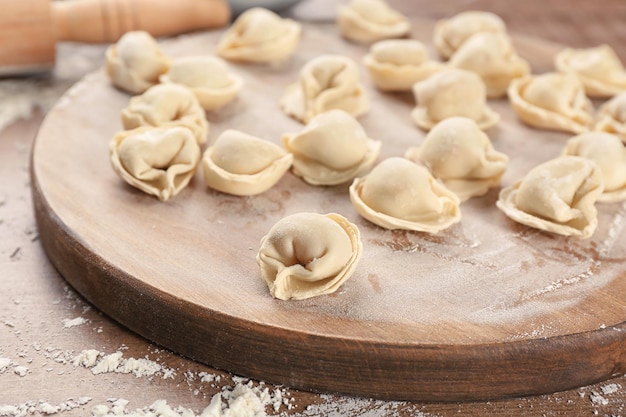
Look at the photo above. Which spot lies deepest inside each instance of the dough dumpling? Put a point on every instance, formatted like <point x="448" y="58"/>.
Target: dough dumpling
<point x="459" y="154"/>
<point x="397" y="64"/>
<point x="159" y="161"/>
<point x="611" y="117"/>
<point x="452" y="92"/>
<point x="260" y="36"/>
<point x="599" y="69"/>
<point x="370" y="21"/>
<point x="492" y="56"/>
<point x="450" y="34"/>
<point x="554" y="101"/>
<point x="135" y="62"/>
<point x="332" y="149"/>
<point x="241" y="164"/>
<point x="326" y="82"/>
<point x="609" y="154"/>
<point x="167" y="105"/>
<point x="207" y="77"/>
<point x="307" y="254"/>
<point x="399" y="194"/>
<point x="557" y="196"/>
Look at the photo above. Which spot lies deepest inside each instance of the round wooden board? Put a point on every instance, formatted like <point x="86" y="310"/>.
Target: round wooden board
<point x="483" y="310"/>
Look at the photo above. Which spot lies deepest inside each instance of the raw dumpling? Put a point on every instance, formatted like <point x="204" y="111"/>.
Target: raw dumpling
<point x="332" y="149"/>
<point x="159" y="161"/>
<point x="241" y="164"/>
<point x="397" y="64"/>
<point x="399" y="194"/>
<point x="492" y="56"/>
<point x="557" y="196"/>
<point x="135" y="62"/>
<point x="599" y="69"/>
<point x="307" y="254"/>
<point x="452" y="92"/>
<point x="553" y="100"/>
<point x="260" y="35"/>
<point x="167" y="105"/>
<point x="611" y="117"/>
<point x="326" y="82"/>
<point x="370" y="21"/>
<point x="459" y="154"/>
<point x="450" y="34"/>
<point x="207" y="77"/>
<point x="609" y="154"/>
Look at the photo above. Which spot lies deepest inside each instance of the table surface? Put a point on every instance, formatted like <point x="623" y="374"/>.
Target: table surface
<point x="45" y="325"/>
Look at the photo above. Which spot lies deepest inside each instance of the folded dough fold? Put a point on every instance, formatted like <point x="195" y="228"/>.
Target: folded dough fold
<point x="611" y="117"/>
<point x="450" y="34"/>
<point x="369" y="21"/>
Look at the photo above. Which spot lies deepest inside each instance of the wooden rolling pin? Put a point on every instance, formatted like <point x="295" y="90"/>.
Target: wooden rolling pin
<point x="29" y="29"/>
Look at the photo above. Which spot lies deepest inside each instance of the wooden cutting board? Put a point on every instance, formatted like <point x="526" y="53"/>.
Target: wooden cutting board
<point x="483" y="310"/>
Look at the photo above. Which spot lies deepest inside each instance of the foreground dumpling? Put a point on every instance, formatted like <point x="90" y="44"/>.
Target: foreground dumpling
<point x="307" y="254"/>
<point x="135" y="62"/>
<point x="611" y="117"/>
<point x="450" y="34"/>
<point x="332" y="149"/>
<point x="241" y="164"/>
<point x="397" y="64"/>
<point x="557" y="196"/>
<point x="167" y="105"/>
<point x="325" y="83"/>
<point x="159" y="161"/>
<point x="370" y="21"/>
<point x="599" y="69"/>
<point x="207" y="77"/>
<point x="452" y="92"/>
<point x="260" y="35"/>
<point x="492" y="56"/>
<point x="553" y="101"/>
<point x="609" y="154"/>
<point x="399" y="194"/>
<point x="459" y="154"/>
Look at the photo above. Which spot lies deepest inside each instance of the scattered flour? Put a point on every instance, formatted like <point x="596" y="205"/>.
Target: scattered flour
<point x="4" y="364"/>
<point x="100" y="363"/>
<point x="67" y="323"/>
<point x="20" y="370"/>
<point x="610" y="389"/>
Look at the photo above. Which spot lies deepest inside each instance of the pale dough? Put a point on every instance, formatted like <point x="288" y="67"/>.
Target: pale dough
<point x="241" y="164"/>
<point x="167" y="105"/>
<point x="135" y="62"/>
<point x="460" y="154"/>
<point x="332" y="149"/>
<point x="399" y="194"/>
<point x="306" y="255"/>
<point x="558" y="196"/>
<point x="397" y="64"/>
<point x="159" y="161"/>
<point x="450" y="34"/>
<point x="553" y="101"/>
<point x="611" y="117"/>
<point x="370" y="21"/>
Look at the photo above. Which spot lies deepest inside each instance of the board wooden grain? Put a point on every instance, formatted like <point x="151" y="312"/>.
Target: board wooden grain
<point x="486" y="309"/>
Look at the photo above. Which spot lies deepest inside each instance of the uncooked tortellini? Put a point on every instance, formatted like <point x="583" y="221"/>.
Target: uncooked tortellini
<point x="260" y="35"/>
<point x="450" y="34"/>
<point x="167" y="105"/>
<point x="399" y="194"/>
<point x="370" y="21"/>
<point x="325" y="83"/>
<point x="492" y="56"/>
<point x="599" y="69"/>
<point x="240" y="164"/>
<point x="159" y="161"/>
<point x="207" y="77"/>
<point x="397" y="64"/>
<point x="308" y="254"/>
<point x="609" y="153"/>
<point x="459" y="154"/>
<point x="557" y="196"/>
<point x="332" y="149"/>
<point x="452" y="92"/>
<point x="135" y="62"/>
<point x="611" y="117"/>
<point x="553" y="100"/>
